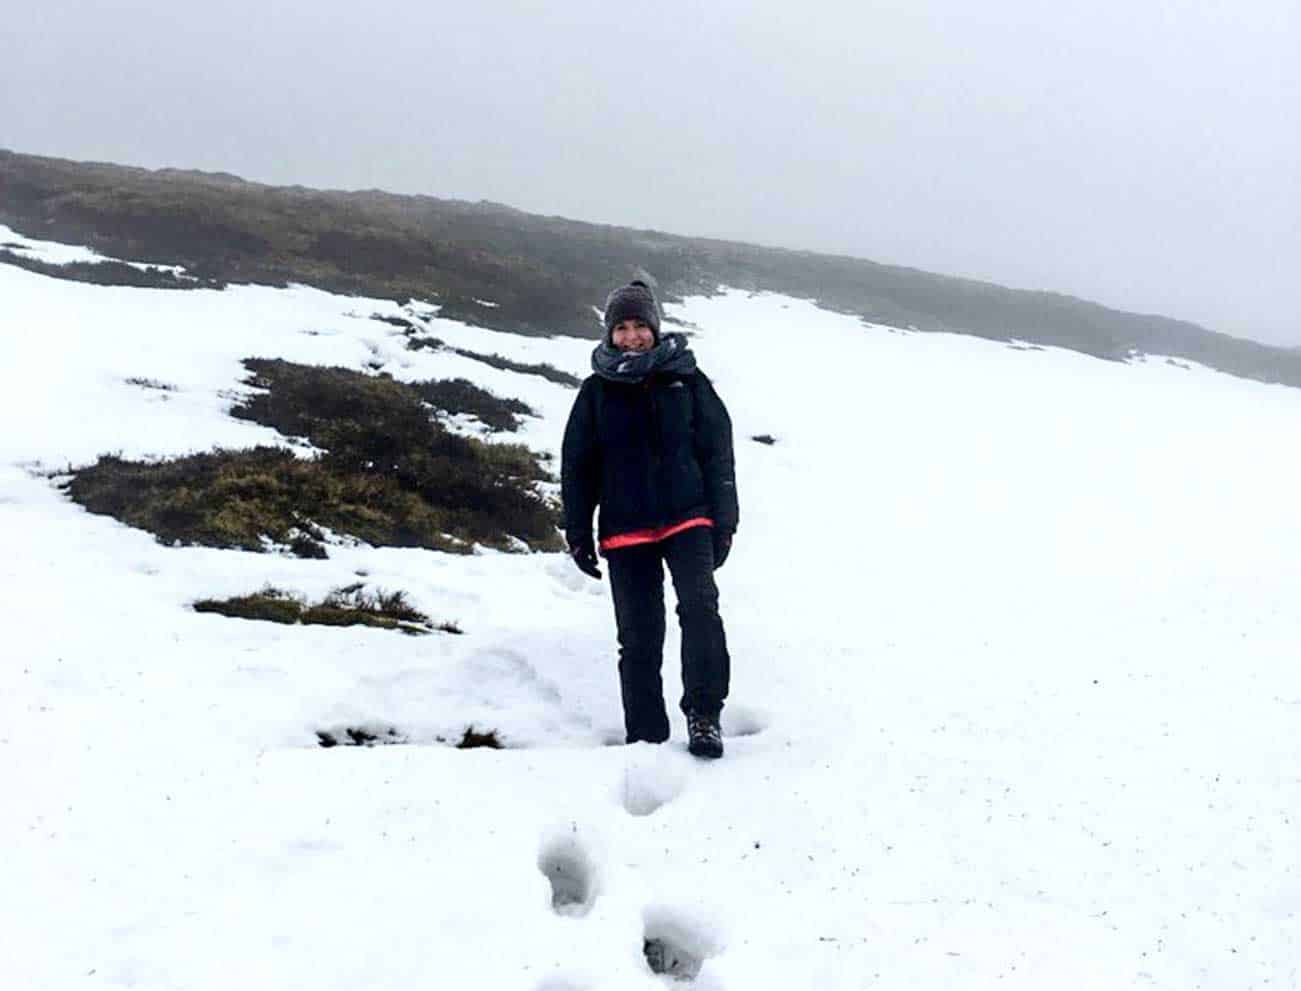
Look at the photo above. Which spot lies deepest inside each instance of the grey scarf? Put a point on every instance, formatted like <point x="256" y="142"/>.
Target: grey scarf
<point x="671" y="354"/>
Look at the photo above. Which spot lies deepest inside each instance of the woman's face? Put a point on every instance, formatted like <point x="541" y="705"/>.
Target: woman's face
<point x="632" y="335"/>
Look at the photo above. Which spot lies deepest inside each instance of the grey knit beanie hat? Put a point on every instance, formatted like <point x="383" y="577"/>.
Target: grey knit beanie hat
<point x="635" y="301"/>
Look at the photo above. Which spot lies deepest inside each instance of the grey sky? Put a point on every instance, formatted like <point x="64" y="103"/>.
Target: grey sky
<point x="1143" y="154"/>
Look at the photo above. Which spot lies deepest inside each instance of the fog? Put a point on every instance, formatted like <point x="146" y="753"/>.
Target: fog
<point x="1142" y="155"/>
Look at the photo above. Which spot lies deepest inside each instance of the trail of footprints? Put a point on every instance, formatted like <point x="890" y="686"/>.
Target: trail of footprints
<point x="674" y="945"/>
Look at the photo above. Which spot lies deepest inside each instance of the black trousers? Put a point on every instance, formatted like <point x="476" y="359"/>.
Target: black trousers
<point x="637" y="581"/>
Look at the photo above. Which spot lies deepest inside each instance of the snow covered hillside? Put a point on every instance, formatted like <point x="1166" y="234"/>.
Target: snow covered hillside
<point x="1016" y="697"/>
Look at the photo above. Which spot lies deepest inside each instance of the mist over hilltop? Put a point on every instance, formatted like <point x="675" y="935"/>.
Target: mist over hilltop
<point x="541" y="275"/>
<point x="1143" y="156"/>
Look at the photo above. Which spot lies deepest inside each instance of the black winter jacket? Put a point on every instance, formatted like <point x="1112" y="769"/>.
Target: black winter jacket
<point x="650" y="454"/>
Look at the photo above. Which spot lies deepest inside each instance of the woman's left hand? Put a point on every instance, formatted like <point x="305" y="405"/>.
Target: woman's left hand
<point x="722" y="547"/>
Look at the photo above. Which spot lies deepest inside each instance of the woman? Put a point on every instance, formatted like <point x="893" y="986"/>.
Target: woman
<point x="650" y="442"/>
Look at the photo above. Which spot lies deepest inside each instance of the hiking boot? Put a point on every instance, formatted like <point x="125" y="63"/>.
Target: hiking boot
<point x="704" y="737"/>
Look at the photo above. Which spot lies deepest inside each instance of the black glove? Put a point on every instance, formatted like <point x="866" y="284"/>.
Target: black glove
<point x="583" y="551"/>
<point x="722" y="546"/>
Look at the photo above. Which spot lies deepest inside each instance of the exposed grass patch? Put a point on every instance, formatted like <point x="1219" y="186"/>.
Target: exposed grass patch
<point x="463" y="396"/>
<point x="424" y="342"/>
<point x="548" y="372"/>
<point x="145" y="383"/>
<point x="244" y="499"/>
<point x="371" y="417"/>
<point x="271" y="605"/>
<point x="472" y="739"/>
<point x="380" y="428"/>
<point x="401" y="322"/>
<point x="359" y="736"/>
<point x="379" y="735"/>
<point x="351" y="605"/>
<point x="390" y="476"/>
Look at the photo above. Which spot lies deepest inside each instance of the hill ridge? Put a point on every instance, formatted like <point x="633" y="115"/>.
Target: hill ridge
<point x="544" y="273"/>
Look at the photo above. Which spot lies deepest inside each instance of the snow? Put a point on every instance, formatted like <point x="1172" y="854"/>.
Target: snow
<point x="1015" y="694"/>
<point x="54" y="253"/>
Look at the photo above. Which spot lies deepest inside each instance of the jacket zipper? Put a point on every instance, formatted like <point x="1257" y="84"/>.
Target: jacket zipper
<point x="656" y="441"/>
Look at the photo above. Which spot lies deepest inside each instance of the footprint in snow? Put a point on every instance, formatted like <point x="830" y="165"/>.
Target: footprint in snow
<point x="652" y="778"/>
<point x="677" y="944"/>
<point x="567" y="864"/>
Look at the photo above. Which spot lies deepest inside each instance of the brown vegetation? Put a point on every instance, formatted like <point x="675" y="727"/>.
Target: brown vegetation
<point x="350" y="605"/>
<point x="389" y="475"/>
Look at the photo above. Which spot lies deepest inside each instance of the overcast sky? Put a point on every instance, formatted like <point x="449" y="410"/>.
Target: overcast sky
<point x="1142" y="153"/>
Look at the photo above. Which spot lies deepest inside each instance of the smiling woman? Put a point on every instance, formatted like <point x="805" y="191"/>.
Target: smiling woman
<point x="649" y="441"/>
<point x="633" y="335"/>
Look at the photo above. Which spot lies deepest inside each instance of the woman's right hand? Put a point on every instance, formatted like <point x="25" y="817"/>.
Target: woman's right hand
<point x="583" y="551"/>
